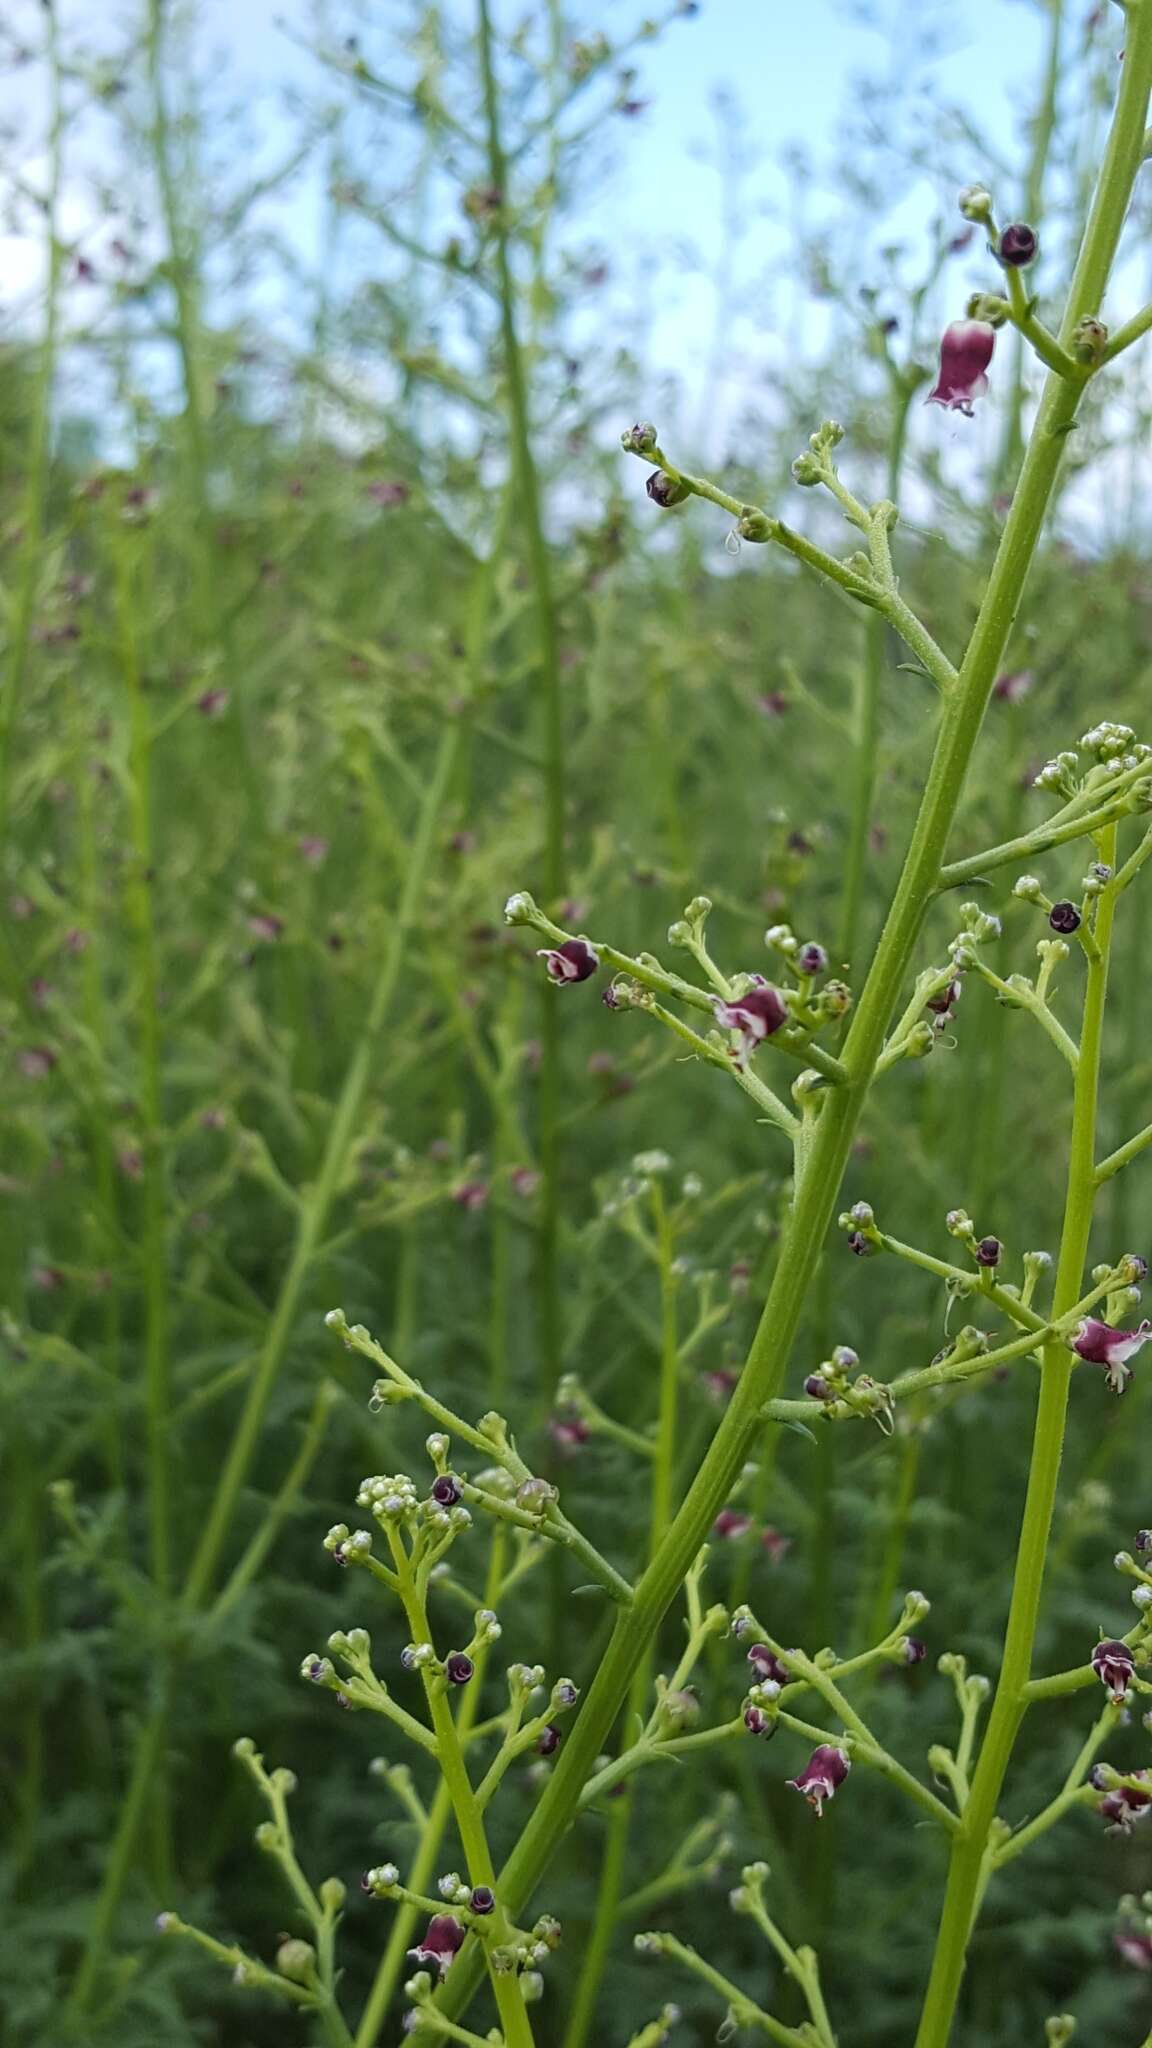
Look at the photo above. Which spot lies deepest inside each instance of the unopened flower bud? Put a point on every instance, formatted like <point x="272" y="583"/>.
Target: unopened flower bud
<point x="665" y="490"/>
<point x="1019" y="245"/>
<point x="975" y="203"/>
<point x="988" y="1251"/>
<point x="1064" y="917"/>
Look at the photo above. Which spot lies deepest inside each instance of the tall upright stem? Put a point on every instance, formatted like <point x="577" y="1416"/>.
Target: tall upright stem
<point x="819" y="1185"/>
<point x="970" y="1844"/>
<point x="548" y="643"/>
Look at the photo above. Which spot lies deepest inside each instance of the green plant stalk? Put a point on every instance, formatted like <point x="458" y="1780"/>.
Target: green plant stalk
<point x="606" y="1917"/>
<point x="216" y="616"/>
<point x="19" y="648"/>
<point x="1010" y="1703"/>
<point x="506" y="1987"/>
<point x="548" y="642"/>
<point x="817" y="1190"/>
<point x="154" y="1245"/>
<point x="133" y="1813"/>
<point x="440" y="1813"/>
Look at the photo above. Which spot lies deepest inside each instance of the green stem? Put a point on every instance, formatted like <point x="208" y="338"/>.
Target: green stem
<point x="607" y="1914"/>
<point x="469" y="1820"/>
<point x="1008" y="1707"/>
<point x="548" y="642"/>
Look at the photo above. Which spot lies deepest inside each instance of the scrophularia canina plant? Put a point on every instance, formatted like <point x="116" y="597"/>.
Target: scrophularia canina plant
<point x="834" y="1045"/>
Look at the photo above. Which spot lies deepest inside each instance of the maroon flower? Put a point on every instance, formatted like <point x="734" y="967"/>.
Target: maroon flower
<point x="913" y="1650"/>
<point x="441" y="1942"/>
<point x="1014" y="684"/>
<point x="827" y="1768"/>
<point x="767" y="1665"/>
<point x="775" y="1544"/>
<point x="1114" y="1664"/>
<point x="755" y="1015"/>
<point x="549" y="1739"/>
<point x="575" y="960"/>
<point x="446" y="1490"/>
<point x="569" y="1431"/>
<point x="730" y="1523"/>
<point x="1100" y="1344"/>
<point x="965" y="353"/>
<point x="1136" y="1948"/>
<point x="482" y="1899"/>
<point x="988" y="1251"/>
<point x="1125" y="1805"/>
<point x="458" y="1668"/>
<point x="524" y="1181"/>
<point x="471" y="1194"/>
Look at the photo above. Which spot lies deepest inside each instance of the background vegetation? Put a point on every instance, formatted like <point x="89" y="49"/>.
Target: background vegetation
<point x="328" y="621"/>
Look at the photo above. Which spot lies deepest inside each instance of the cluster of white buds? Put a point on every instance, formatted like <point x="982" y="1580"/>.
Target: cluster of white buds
<point x="391" y="1498"/>
<point x="381" y="1881"/>
<point x="453" y="1889"/>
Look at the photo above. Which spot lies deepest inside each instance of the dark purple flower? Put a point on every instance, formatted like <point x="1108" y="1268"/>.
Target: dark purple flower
<point x="775" y="1544"/>
<point x="1144" y="1541"/>
<point x="913" y="1650"/>
<point x="826" y="1769"/>
<point x="965" y="353"/>
<point x="1018" y="246"/>
<point x="1136" y="1948"/>
<point x="446" y="1490"/>
<point x="211" y="703"/>
<point x="575" y="960"/>
<point x="471" y="1194"/>
<point x="1125" y="1805"/>
<point x="440" y="1944"/>
<point x="767" y="1665"/>
<point x="524" y="1181"/>
<point x="942" y="1003"/>
<point x="482" y="1899"/>
<point x="1114" y="1664"/>
<point x="719" y="1384"/>
<point x="861" y="1245"/>
<point x="730" y="1523"/>
<point x="1064" y="917"/>
<point x="755" y="1015"/>
<point x="1100" y="1344"/>
<point x="757" y="1722"/>
<point x="549" y="1739"/>
<point x="988" y="1251"/>
<point x="812" y="959"/>
<point x="458" y="1668"/>
<point x="818" y="1389"/>
<point x="773" y="703"/>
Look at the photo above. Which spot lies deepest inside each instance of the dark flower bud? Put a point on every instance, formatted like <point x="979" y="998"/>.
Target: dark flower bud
<point x="767" y="1665"/>
<point x="859" y="1244"/>
<point x="1144" y="1541"/>
<point x="1135" y="1269"/>
<point x="1089" y="340"/>
<point x="812" y="959"/>
<point x="1019" y="245"/>
<point x="1064" y="917"/>
<point x="665" y="490"/>
<point x="941" y="1003"/>
<point x="817" y="1388"/>
<point x="549" y="1739"/>
<point x="757" y="1722"/>
<point x="458" y="1668"/>
<point x="446" y="1490"/>
<point x="988" y="1251"/>
<point x="482" y="1899"/>
<point x="913" y="1650"/>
